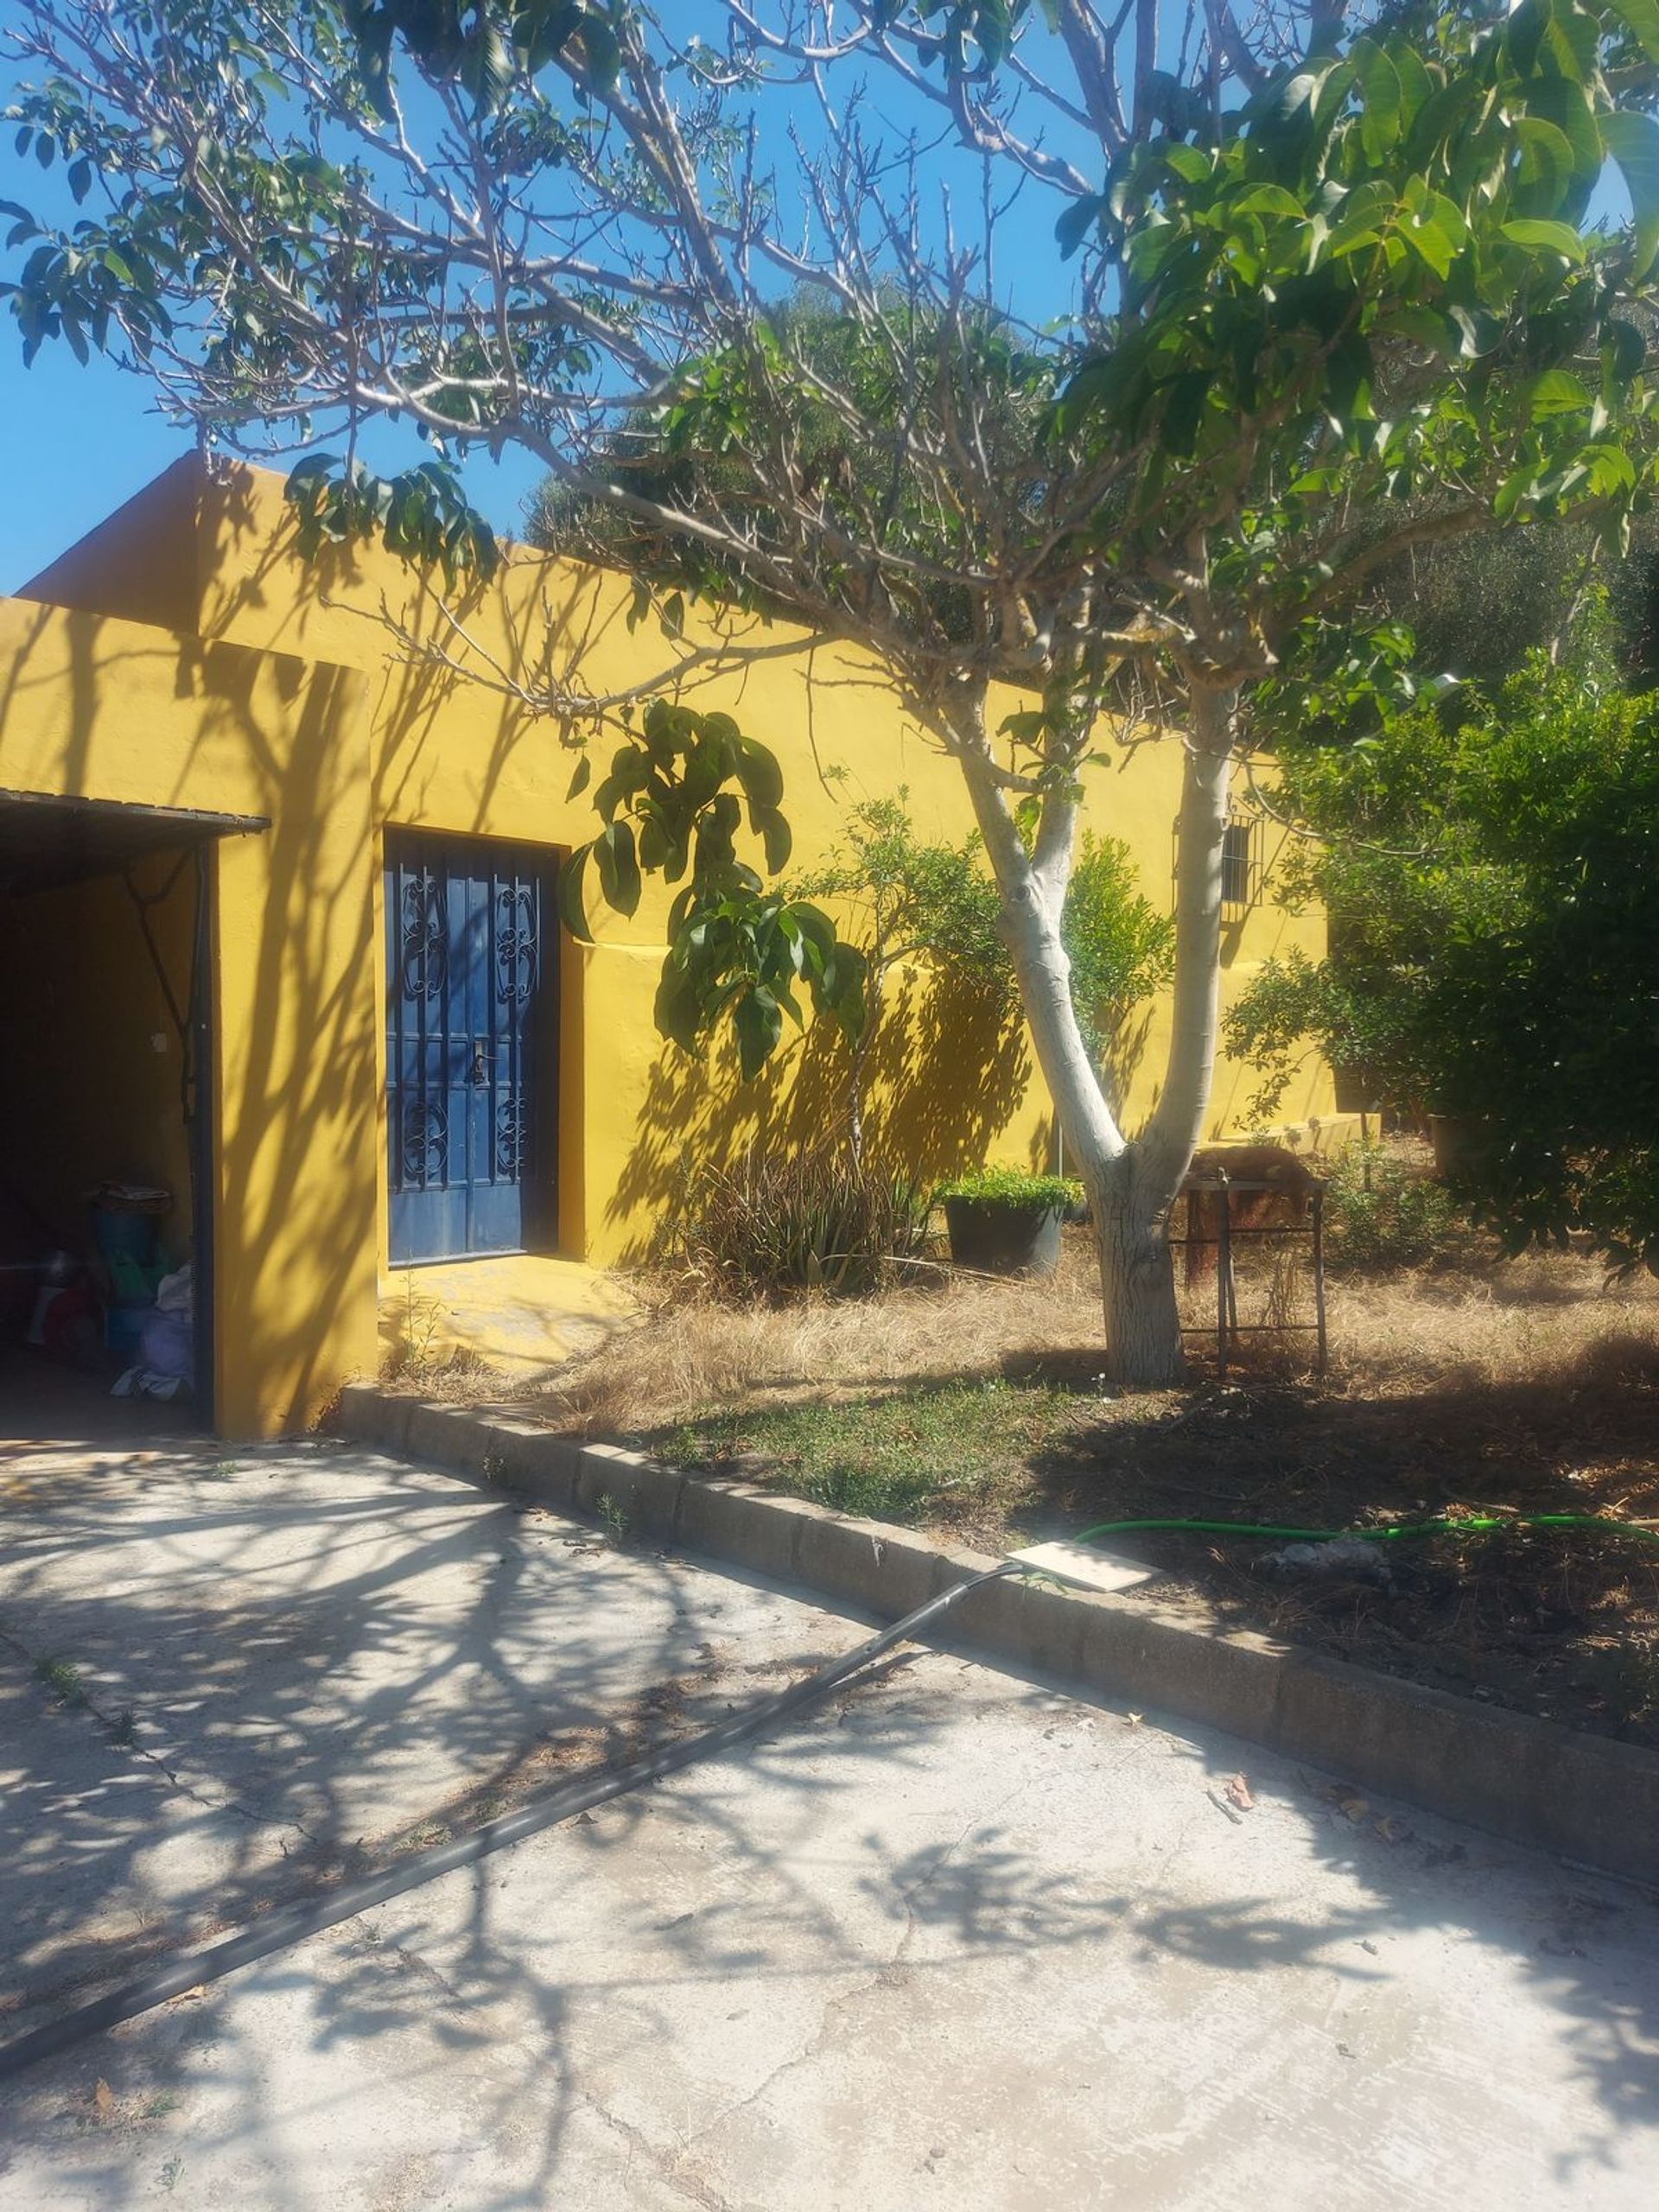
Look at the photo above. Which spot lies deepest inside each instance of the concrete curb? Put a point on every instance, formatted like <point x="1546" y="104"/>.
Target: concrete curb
<point x="1532" y="1781"/>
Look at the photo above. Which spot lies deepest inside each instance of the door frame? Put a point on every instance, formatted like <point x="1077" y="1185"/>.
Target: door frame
<point x="98" y="837"/>
<point x="540" y="1184"/>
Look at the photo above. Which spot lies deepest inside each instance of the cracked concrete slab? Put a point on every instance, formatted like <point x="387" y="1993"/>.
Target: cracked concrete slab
<point x="958" y="1939"/>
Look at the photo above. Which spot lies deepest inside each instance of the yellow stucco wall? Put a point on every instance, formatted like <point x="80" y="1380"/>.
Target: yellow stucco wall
<point x="96" y="709"/>
<point x="459" y="755"/>
<point x="306" y="707"/>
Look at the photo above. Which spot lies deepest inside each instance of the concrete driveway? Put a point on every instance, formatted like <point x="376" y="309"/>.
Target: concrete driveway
<point x="957" y="1942"/>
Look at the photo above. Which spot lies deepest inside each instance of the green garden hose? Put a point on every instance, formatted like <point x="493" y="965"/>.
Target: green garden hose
<point x="1472" y="1524"/>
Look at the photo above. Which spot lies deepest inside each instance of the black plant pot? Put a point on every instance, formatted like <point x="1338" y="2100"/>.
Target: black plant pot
<point x="1004" y="1236"/>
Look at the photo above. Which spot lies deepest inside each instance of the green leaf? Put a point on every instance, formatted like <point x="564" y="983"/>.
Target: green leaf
<point x="619" y="867"/>
<point x="1183" y="411"/>
<point x="759" y="774"/>
<point x="1610" y="470"/>
<point x="1416" y="85"/>
<point x="1191" y="163"/>
<point x="1076" y="221"/>
<point x="1381" y="104"/>
<point x="775" y="836"/>
<point x="1555" y="392"/>
<point x="602" y="52"/>
<point x="1641" y="17"/>
<point x="1364" y="211"/>
<point x="1543" y="171"/>
<point x="1431" y="243"/>
<point x="1430" y="328"/>
<point x="1560" y="101"/>
<point x="573" y="910"/>
<point x="1572" y="42"/>
<point x="1540" y="236"/>
<point x="1316" y="483"/>
<point x="1528" y="24"/>
<point x="759" y="1022"/>
<point x="1351" y="376"/>
<point x="1268" y="200"/>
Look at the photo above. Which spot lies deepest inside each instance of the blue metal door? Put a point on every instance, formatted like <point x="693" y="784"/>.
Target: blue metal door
<point x="466" y="1019"/>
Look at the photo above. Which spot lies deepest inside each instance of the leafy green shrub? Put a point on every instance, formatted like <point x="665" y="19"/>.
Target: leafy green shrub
<point x="901" y="897"/>
<point x="1488" y="866"/>
<point x="1379" y="1213"/>
<point x="1014" y="1186"/>
<point x="1121" y="948"/>
<point x="815" y="1221"/>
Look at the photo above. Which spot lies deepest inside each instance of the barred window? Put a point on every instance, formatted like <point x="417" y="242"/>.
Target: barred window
<point x="1238" y="863"/>
<point x="1241" y="861"/>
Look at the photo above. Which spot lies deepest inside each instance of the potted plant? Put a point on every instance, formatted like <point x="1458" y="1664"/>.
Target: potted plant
<point x="1006" y="1221"/>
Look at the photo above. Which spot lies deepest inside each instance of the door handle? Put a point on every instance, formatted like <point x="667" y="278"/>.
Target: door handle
<point x="480" y="1071"/>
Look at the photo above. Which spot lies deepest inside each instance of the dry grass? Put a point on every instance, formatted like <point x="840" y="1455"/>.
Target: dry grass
<point x="1493" y="1323"/>
<point x="688" y="1357"/>
<point x="1488" y="1323"/>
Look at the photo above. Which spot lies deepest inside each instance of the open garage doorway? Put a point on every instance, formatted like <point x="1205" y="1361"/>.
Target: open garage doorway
<point x="106" y="1140"/>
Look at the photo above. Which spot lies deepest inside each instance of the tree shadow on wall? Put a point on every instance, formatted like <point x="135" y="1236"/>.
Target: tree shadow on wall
<point x="946" y="1075"/>
<point x="1127" y="1042"/>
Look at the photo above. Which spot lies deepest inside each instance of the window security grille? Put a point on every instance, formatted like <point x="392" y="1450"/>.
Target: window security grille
<point x="1238" y="862"/>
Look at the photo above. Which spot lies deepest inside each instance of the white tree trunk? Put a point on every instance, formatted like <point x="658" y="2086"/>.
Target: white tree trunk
<point x="1131" y="1185"/>
<point x="1137" y="1280"/>
<point x="1177" y="1120"/>
<point x="1137" y="1272"/>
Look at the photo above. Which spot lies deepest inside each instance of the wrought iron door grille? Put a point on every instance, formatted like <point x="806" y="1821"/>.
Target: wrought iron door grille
<point x="469" y="1010"/>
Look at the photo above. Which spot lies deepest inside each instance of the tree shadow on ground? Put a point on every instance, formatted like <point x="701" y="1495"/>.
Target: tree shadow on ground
<point x="1565" y="1624"/>
<point x="324" y="1668"/>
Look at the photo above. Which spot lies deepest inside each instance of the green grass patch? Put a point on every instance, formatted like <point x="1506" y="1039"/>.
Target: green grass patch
<point x="908" y="1456"/>
<point x="62" y="1680"/>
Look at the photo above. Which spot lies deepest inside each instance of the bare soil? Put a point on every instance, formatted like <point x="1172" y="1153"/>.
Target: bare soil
<point x="977" y="1409"/>
<point x="1565" y="1624"/>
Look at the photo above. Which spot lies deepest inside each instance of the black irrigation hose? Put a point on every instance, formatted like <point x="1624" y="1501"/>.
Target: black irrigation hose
<point x="278" y="1930"/>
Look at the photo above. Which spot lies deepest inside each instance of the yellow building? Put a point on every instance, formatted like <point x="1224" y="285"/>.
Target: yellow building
<point x="237" y="792"/>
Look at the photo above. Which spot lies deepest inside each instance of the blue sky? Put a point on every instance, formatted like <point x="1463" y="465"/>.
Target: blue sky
<point x="78" y="444"/>
<point x="82" y="440"/>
